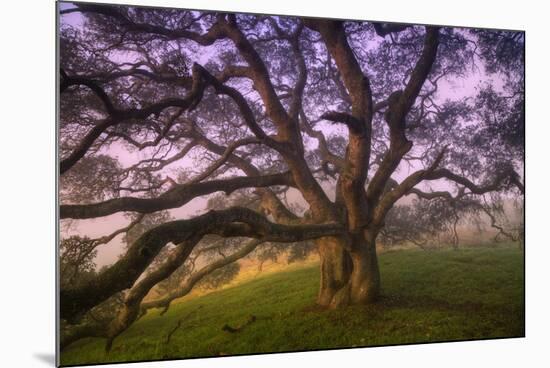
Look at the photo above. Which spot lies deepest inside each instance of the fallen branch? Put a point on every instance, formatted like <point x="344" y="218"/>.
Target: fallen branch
<point x="230" y="329"/>
<point x="178" y="325"/>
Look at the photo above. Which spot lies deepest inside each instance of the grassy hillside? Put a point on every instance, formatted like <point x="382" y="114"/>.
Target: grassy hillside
<point x="427" y="296"/>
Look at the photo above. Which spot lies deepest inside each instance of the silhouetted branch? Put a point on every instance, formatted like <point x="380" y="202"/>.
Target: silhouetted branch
<point x="173" y="198"/>
<point x="232" y="222"/>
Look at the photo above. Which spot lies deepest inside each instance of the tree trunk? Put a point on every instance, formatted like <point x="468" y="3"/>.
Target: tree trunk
<point x="348" y="277"/>
<point x="335" y="269"/>
<point x="365" y="277"/>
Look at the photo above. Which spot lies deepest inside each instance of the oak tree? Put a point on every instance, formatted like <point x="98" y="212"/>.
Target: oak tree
<point x="348" y="116"/>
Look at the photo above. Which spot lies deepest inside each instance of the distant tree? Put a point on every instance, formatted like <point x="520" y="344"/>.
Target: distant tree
<point x="76" y="260"/>
<point x="509" y="223"/>
<point x="352" y="115"/>
<point x="220" y="277"/>
<point x="428" y="223"/>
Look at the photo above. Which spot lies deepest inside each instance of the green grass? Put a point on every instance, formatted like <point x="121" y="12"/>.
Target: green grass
<point x="440" y="295"/>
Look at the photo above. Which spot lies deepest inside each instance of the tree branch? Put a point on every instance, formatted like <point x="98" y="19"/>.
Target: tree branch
<point x="355" y="125"/>
<point x="269" y="201"/>
<point x="130" y="309"/>
<point x="505" y="177"/>
<point x="192" y="280"/>
<point x="117" y="116"/>
<point x="354" y="174"/>
<point x="383" y="29"/>
<point x="212" y="35"/>
<point x="418" y="77"/>
<point x="173" y="198"/>
<point x="224" y="158"/>
<point x="287" y="128"/>
<point x="399" y="104"/>
<point x="235" y="221"/>
<point x="388" y="200"/>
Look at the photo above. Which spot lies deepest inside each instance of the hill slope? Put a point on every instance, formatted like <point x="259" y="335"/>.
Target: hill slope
<point x="427" y="296"/>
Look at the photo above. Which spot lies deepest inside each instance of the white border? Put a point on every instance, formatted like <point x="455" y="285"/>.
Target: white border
<point x="28" y="177"/>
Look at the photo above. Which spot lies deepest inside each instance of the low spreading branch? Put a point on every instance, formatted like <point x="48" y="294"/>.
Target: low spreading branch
<point x="173" y="198"/>
<point x="235" y="221"/>
<point x="191" y="281"/>
<point x="131" y="309"/>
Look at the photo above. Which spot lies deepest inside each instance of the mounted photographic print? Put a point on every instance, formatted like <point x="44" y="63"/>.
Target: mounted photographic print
<point x="236" y="183"/>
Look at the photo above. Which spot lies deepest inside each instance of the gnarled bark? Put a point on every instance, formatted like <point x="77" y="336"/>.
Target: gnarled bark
<point x="335" y="269"/>
<point x="349" y="270"/>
